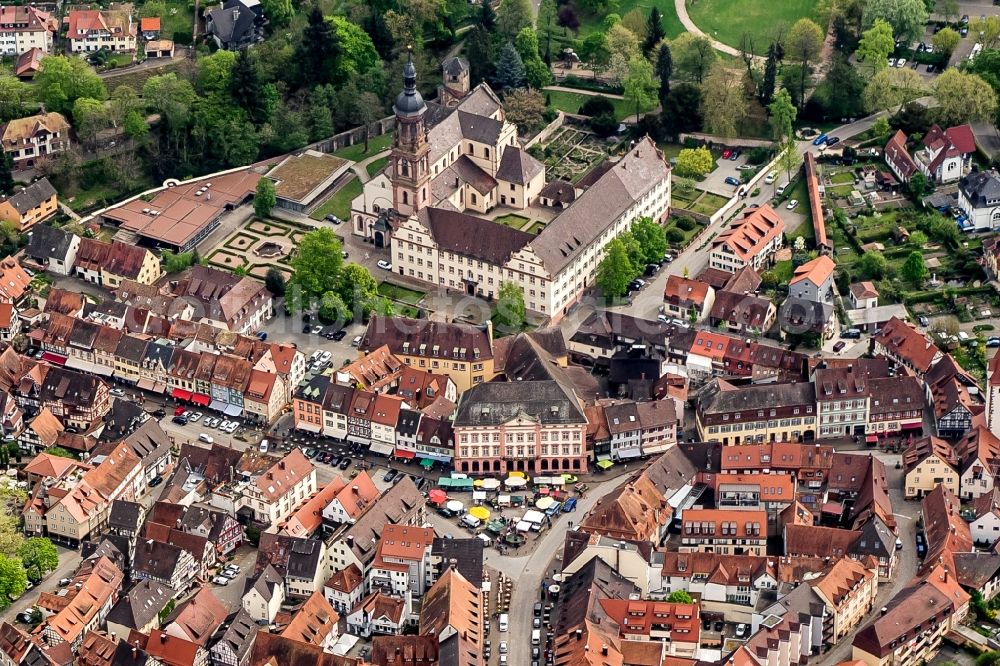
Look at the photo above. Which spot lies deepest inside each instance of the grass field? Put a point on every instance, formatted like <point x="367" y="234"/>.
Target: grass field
<point x="512" y="220"/>
<point x="377" y="165"/>
<point x="727" y="20"/>
<point x="671" y="23"/>
<point x="179" y="17"/>
<point x="340" y="203"/>
<point x="709" y="203"/>
<point x="571" y="102"/>
<point x="397" y="293"/>
<point x="356" y="153"/>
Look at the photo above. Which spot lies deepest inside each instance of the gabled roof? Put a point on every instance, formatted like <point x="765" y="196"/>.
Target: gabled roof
<point x="817" y="271"/>
<point x="32" y="196"/>
<point x="198" y="617"/>
<point x="897" y="155"/>
<point x="903" y="340"/>
<point x="48" y="242"/>
<point x="685" y="291"/>
<point x="748" y="235"/>
<point x="141" y="605"/>
<point x="518" y="167"/>
<point x="313" y="622"/>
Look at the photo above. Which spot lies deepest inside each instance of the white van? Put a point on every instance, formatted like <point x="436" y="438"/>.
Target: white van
<point x="471" y="521"/>
<point x="504" y="622"/>
<point x="205" y="438"/>
<point x="782" y="187"/>
<point x="263" y="446"/>
<point x="536" y="636"/>
<point x="771" y="177"/>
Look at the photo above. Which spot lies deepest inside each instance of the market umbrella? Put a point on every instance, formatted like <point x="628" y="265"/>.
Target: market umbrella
<point x="519" y="474"/>
<point x="427" y="463"/>
<point x="569" y="478"/>
<point x="491" y="484"/>
<point x="543" y="491"/>
<point x="544" y="502"/>
<point x="516" y="482"/>
<point x="480" y="512"/>
<point x="455" y="505"/>
<point x="478" y="483"/>
<point x="604" y="464"/>
<point x="437" y="496"/>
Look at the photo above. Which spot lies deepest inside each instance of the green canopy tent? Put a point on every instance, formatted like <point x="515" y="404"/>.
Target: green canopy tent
<point x="605" y="464"/>
<point x="426" y="463"/>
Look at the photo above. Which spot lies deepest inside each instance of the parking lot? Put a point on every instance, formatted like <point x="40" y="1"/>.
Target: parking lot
<point x="715" y="182"/>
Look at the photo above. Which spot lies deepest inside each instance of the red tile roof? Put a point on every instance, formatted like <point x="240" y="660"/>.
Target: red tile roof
<point x="685" y="291"/>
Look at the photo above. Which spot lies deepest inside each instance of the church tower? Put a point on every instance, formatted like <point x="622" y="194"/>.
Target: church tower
<point x="411" y="167"/>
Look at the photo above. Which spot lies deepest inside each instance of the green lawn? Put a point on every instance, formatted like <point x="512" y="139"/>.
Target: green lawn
<point x="784" y="271"/>
<point x="397" y="293"/>
<point x="709" y="203"/>
<point x="571" y="102"/>
<point x="512" y="220"/>
<point x="842" y="178"/>
<point x="179" y="17"/>
<point x="535" y="228"/>
<point x="727" y="20"/>
<point x="377" y="165"/>
<point x="340" y="203"/>
<point x="356" y="153"/>
<point x="671" y="24"/>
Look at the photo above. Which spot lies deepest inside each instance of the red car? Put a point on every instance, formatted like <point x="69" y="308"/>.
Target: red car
<point x="726" y="153"/>
<point x="179" y="411"/>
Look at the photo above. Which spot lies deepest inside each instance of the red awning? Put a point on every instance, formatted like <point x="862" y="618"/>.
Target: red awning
<point x="54" y="358"/>
<point x="201" y="399"/>
<point x="912" y="426"/>
<point x="403" y="453"/>
<point x="871" y="438"/>
<point x="181" y="394"/>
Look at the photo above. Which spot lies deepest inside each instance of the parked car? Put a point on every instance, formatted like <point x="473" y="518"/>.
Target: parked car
<point x="180" y="420"/>
<point x="220" y="580"/>
<point x="735" y="155"/>
<point x="821" y="139"/>
<point x="732" y="180"/>
<point x="901" y="63"/>
<point x="726" y="153"/>
<point x="993" y="342"/>
<point x="384" y="265"/>
<point x="345" y="463"/>
<point x="316" y="330"/>
<point x="569" y="505"/>
<point x="833" y="141"/>
<point x="840" y="345"/>
<point x="160" y="413"/>
<point x="333" y="218"/>
<point x="63" y="582"/>
<point x="339" y="335"/>
<point x="117" y="392"/>
<point x="793" y="204"/>
<point x="924" y="321"/>
<point x="742" y="630"/>
<point x="389" y="476"/>
<point x="356" y="342"/>
<point x="193" y="418"/>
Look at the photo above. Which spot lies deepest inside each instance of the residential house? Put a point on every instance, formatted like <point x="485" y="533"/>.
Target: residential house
<point x="223" y="300"/>
<point x="603" y="333"/>
<point x="910" y="630"/>
<point x="265" y="397"/>
<point x="150" y="27"/>
<point x="757" y="414"/>
<point x="380" y="613"/>
<point x="751" y="240"/>
<point x="29" y="205"/>
<point x="813" y="280"/>
<point x="898" y="157"/>
<point x="52" y="249"/>
<point x="221" y="529"/>
<point x="26" y="139"/>
<point x="687" y="299"/>
<point x="264" y="595"/>
<point x="737" y="580"/>
<point x="24" y="28"/>
<point x="954" y="395"/>
<point x="454" y="607"/>
<point x="979" y="199"/>
<point x="849" y="591"/>
<point x="843" y="397"/>
<point x="772" y="493"/>
<point x="901" y="343"/>
<point x="352" y="500"/>
<point x="288" y="363"/>
<point x="197" y="618"/>
<point x="165" y="563"/>
<point x="236" y="644"/>
<point x="304" y="570"/>
<point x="314" y="622"/>
<point x="14" y="280"/>
<point x="345" y="589"/>
<point x="731" y="532"/>
<point x="94" y="590"/>
<point x="409" y="650"/>
<point x="236" y="24"/>
<point x="402" y="561"/>
<point x="863" y="296"/>
<point x="139" y="609"/>
<point x="742" y="313"/>
<point x="169" y="650"/>
<point x="109" y="264"/>
<point x="274" y="495"/>
<point x="896" y="405"/>
<point x="927" y="463"/>
<point x="979" y="453"/>
<point x="113" y="29"/>
<point x="945" y="155"/>
<point x="308" y="518"/>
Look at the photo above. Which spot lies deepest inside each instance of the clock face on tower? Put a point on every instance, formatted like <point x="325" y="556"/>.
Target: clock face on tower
<point x="410" y="173"/>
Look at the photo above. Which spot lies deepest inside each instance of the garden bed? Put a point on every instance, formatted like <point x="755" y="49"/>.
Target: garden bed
<point x="395" y="292"/>
<point x="571" y="153"/>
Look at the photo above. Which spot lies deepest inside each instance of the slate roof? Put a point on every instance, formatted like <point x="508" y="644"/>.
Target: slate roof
<point x="468" y="556"/>
<point x="559" y="191"/>
<point x="47" y="242"/>
<point x="517" y="166"/>
<point x="239" y="636"/>
<point x="126" y="516"/>
<point x="980" y="188"/>
<point x="492" y="403"/>
<point x="141" y="604"/>
<point x="455" y="66"/>
<point x="228" y="27"/>
<point x="472" y="236"/>
<point x="32" y="196"/>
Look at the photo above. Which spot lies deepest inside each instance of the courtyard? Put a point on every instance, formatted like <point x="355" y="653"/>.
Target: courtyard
<point x="571" y="153"/>
<point x="257" y="246"/>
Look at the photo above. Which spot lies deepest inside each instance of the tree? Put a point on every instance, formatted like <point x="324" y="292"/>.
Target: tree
<point x="14" y="97"/>
<point x="509" y="314"/>
<point x="873" y="265"/>
<point x="509" y="69"/>
<point x="546" y="19"/>
<point x="640" y="86"/>
<point x="877" y="44"/>
<point x="622" y="42"/>
<point x="594" y="51"/>
<point x="61" y="80"/>
<point x="893" y="87"/>
<point x="175" y="262"/>
<point x="318" y="50"/>
<point x="6" y="173"/>
<point x="214" y="72"/>
<point x="917" y="238"/>
<point x="13" y="579"/>
<point x="513" y="16"/>
<point x="881" y="129"/>
<point x="694" y="162"/>
<point x="264" y="198"/>
<point x="635" y="21"/>
<point x="274" y="280"/>
<point x="481" y="51"/>
<point x="524" y="107"/>
<point x="249" y="90"/>
<point x="278" y="12"/>
<point x="651" y="239"/>
<point x="693" y="56"/>
<point x="746" y="50"/>
<point x="770" y="80"/>
<point x="664" y="70"/>
<point x="357" y="287"/>
<point x="782" y="116"/>
<point x="914" y="270"/>
<point x="788" y="159"/>
<point x="963" y="98"/>
<point x="680" y="597"/>
<point x="316" y="263"/>
<point x="949" y="9"/>
<point x="840" y="92"/>
<point x="682" y="111"/>
<point x="357" y="55"/>
<point x="945" y="41"/>
<point x="597" y="105"/>
<point x="654" y="31"/>
<point x="332" y="309"/>
<point x="990" y="29"/>
<point x="487" y="16"/>
<point x="804" y="43"/>
<point x="567" y="18"/>
<point x="38" y="556"/>
<point x="723" y="102"/>
<point x="135" y="126"/>
<point x="536" y="71"/>
<point x="919" y="187"/>
<point x="907" y="17"/>
<point x="89" y="118"/>
<point x="615" y="270"/>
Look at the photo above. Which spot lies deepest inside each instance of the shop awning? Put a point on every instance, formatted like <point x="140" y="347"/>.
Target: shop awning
<point x="232" y="410"/>
<point x="912" y="426"/>
<point x="625" y="454"/>
<point x="146" y="384"/>
<point x="605" y="464"/>
<point x="426" y="463"/>
<point x="217" y="405"/>
<point x="87" y="366"/>
<point x="871" y="438"/>
<point x="381" y="448"/>
<point x="54" y="358"/>
<point x="435" y="457"/>
<point x="603" y="456"/>
<point x="307" y="427"/>
<point x="159" y="387"/>
<point x="181" y="394"/>
<point x="200" y="399"/>
<point x="404" y="454"/>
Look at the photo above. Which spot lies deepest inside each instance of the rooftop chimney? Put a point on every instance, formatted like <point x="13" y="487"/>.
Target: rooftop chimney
<point x="604" y="649"/>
